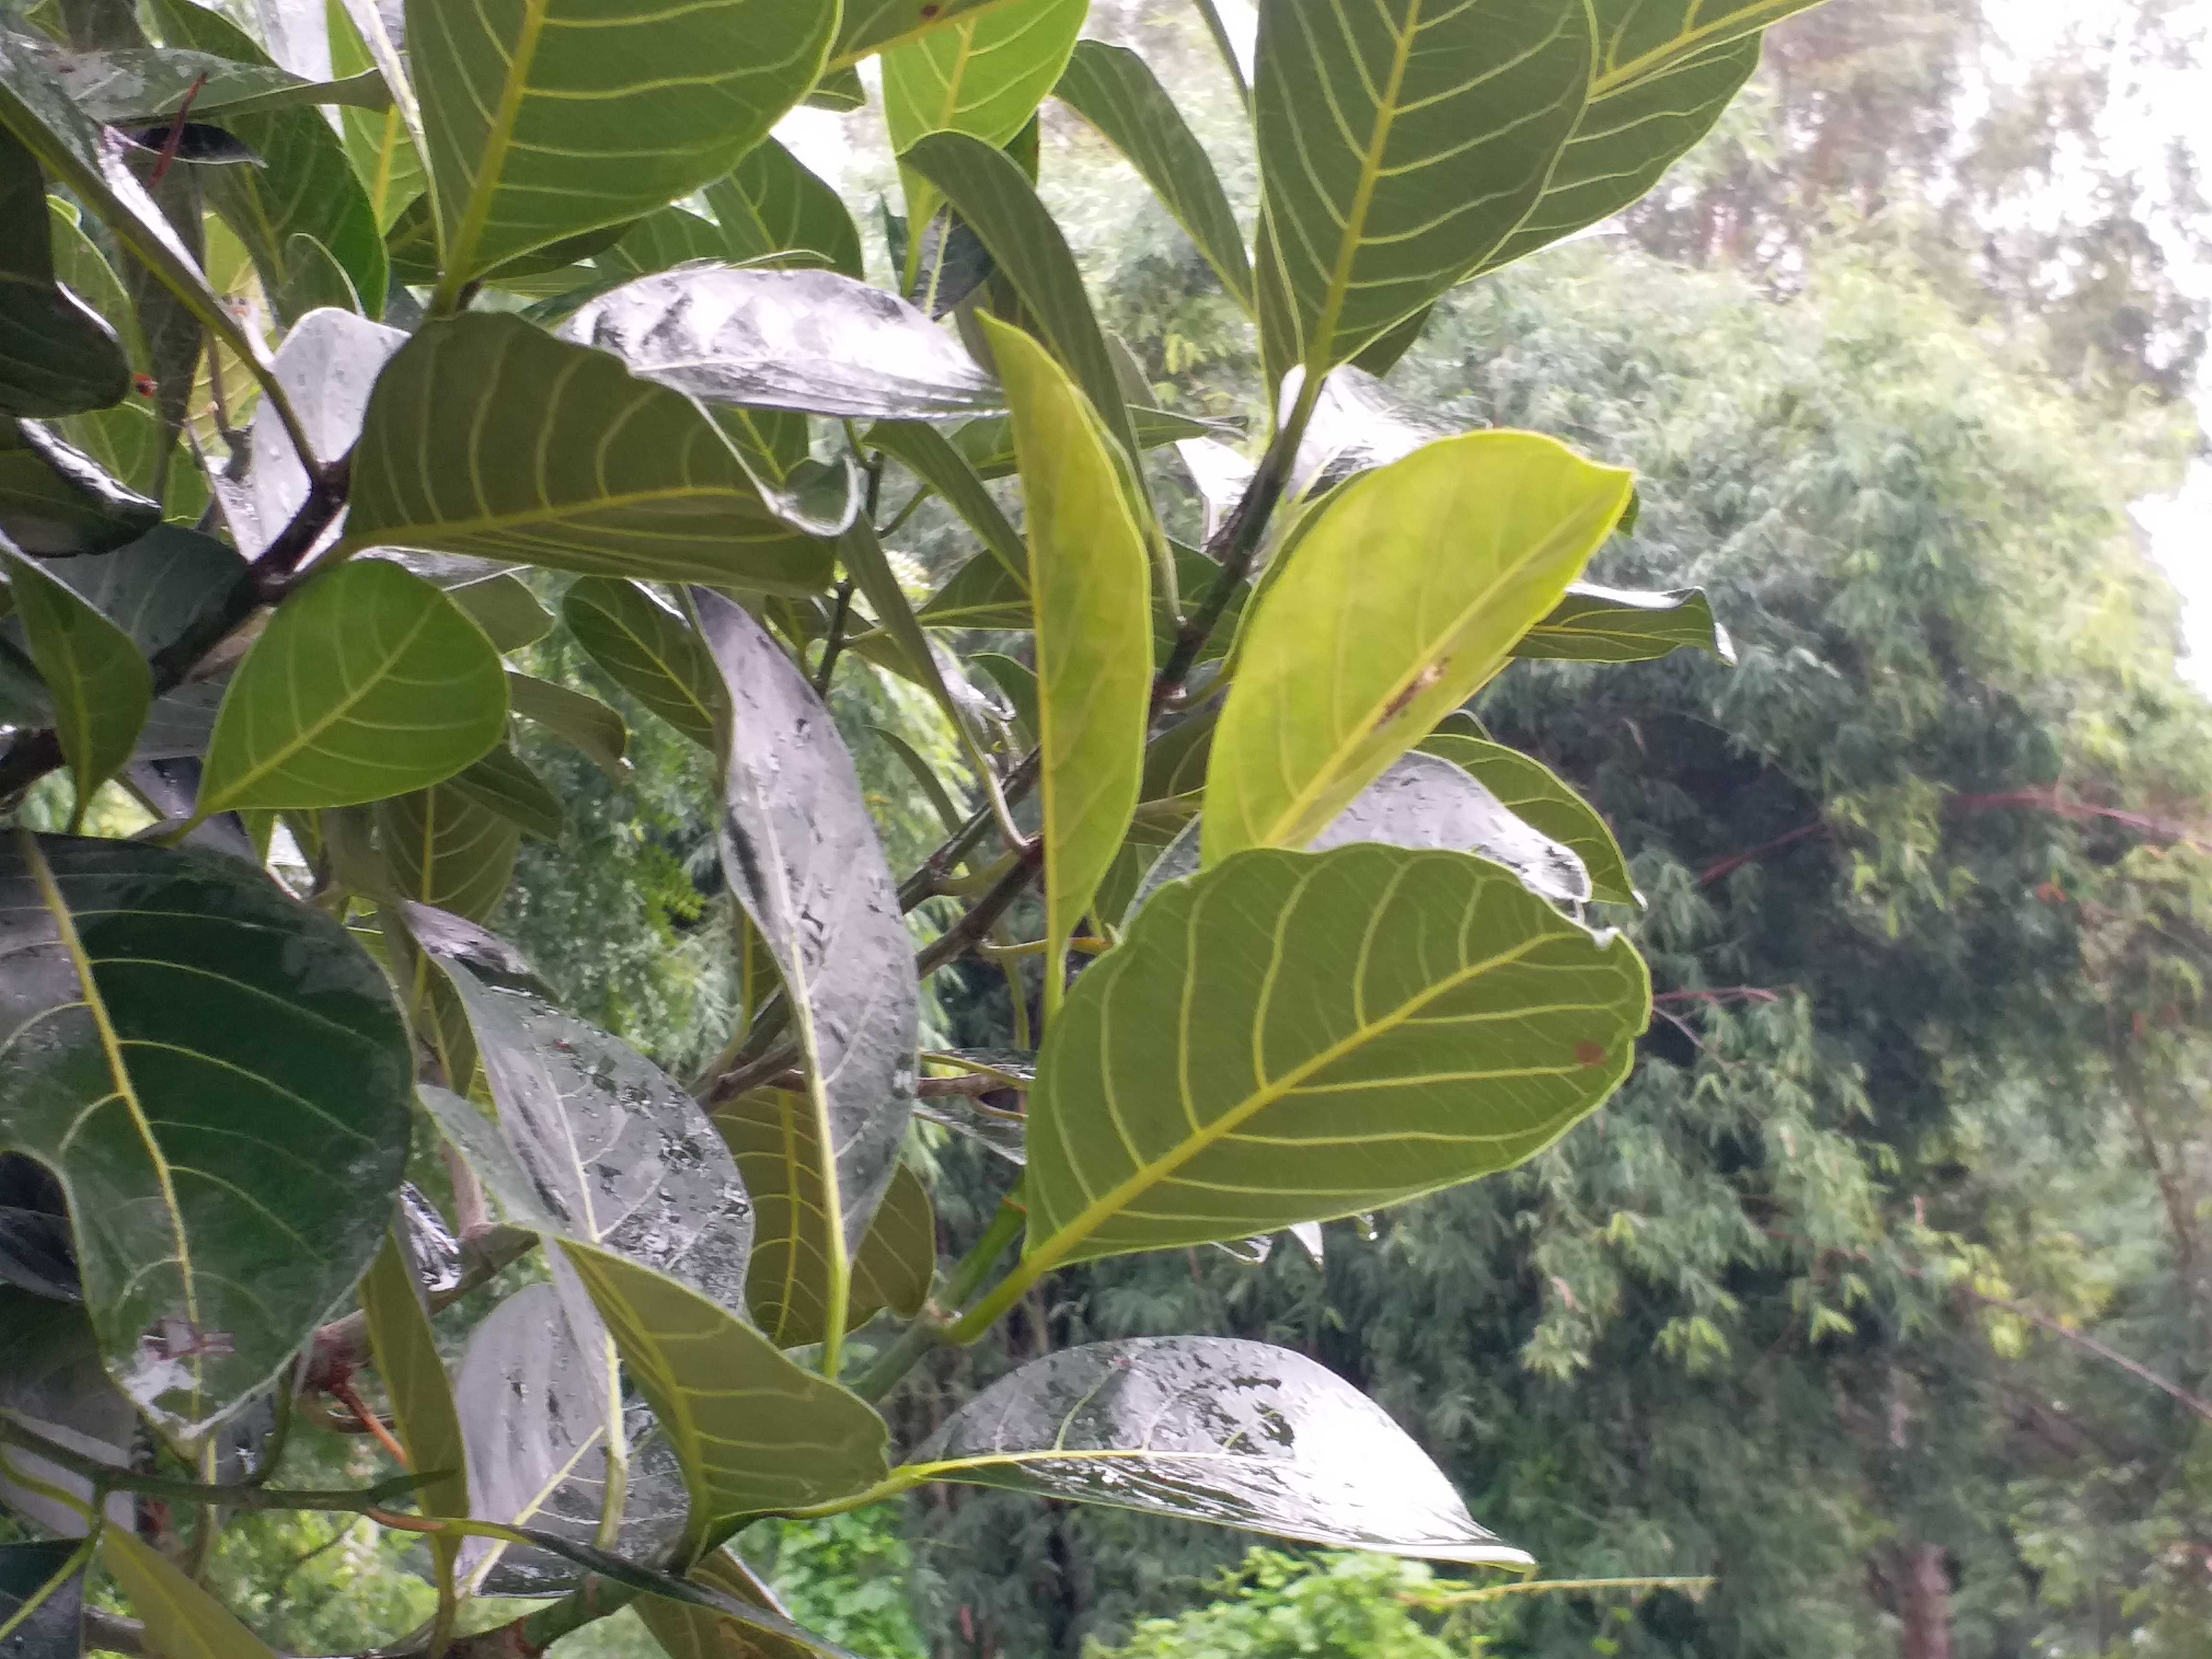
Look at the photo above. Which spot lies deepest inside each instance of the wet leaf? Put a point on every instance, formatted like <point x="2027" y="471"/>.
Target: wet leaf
<point x="1212" y="1429"/>
<point x="1612" y="624"/>
<point x="58" y="354"/>
<point x="1527" y="789"/>
<point x="100" y="684"/>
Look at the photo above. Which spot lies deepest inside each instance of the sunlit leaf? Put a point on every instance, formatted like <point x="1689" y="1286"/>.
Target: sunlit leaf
<point x="1611" y="624"/>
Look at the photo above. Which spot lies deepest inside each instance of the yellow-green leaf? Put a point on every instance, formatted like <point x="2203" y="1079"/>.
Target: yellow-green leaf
<point x="1405" y="594"/>
<point x="415" y="1382"/>
<point x="1530" y="791"/>
<point x="182" y="1621"/>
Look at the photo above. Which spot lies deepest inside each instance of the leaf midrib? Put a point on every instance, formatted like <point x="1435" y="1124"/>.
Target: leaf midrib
<point x="498" y="140"/>
<point x="1363" y="197"/>
<point x="1681" y="45"/>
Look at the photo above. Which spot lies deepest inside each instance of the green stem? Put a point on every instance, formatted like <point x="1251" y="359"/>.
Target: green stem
<point x="106" y="1477"/>
<point x="966" y="1277"/>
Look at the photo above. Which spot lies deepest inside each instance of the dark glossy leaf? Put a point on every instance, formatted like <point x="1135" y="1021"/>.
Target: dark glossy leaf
<point x="584" y="724"/>
<point x="1528" y="790"/>
<point x="304" y="185"/>
<point x="546" y="120"/>
<point x="1377" y="1024"/>
<point x="200" y="145"/>
<point x="1116" y="90"/>
<point x="808" y="340"/>
<point x="1613" y="624"/>
<point x="201" y="1038"/>
<point x="58" y="355"/>
<point x="801" y="855"/>
<point x="42" y="1599"/>
<point x="1382" y="353"/>
<point x="367" y="681"/>
<point x="54" y="1385"/>
<point x="55" y="501"/>
<point x="1212" y="1429"/>
<point x="444" y="847"/>
<point x="180" y="1618"/>
<point x="486" y="436"/>
<point x="651" y="652"/>
<point x="132" y="86"/>
<point x="99" y="685"/>
<point x="35" y="1253"/>
<point x="504" y="782"/>
<point x="771" y="195"/>
<point x="411" y="244"/>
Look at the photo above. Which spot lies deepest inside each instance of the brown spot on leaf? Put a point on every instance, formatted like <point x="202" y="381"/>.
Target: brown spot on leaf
<point x="1587" y="1053"/>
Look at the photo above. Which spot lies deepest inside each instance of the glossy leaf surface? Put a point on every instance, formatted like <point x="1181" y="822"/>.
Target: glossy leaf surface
<point x="1611" y="624"/>
<point x="1423" y="802"/>
<point x="808" y="340"/>
<point x="801" y="854"/>
<point x="1406" y="593"/>
<point x="1214" y="1428"/>
<point x="366" y="682"/>
<point x="487" y="436"/>
<point x="197" y="1036"/>
<point x="415" y="1382"/>
<point x="1091" y="591"/>
<point x="1375" y="1024"/>
<point x="1529" y="790"/>
<point x="651" y="652"/>
<point x="553" y="117"/>
<point x="100" y="686"/>
<point x="1400" y="147"/>
<point x="55" y="501"/>
<point x="58" y="354"/>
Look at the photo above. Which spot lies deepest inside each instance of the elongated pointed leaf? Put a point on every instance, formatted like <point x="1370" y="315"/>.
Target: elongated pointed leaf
<point x="1212" y="1429"/>
<point x="42" y="1599"/>
<point x="100" y="686"/>
<point x="444" y="847"/>
<point x="754" y="1432"/>
<point x="200" y="1039"/>
<point x="503" y="782"/>
<point x="1400" y="147"/>
<point x="931" y="457"/>
<point x="1116" y="90"/>
<point x="615" y="1153"/>
<point x="1375" y="1024"/>
<point x="651" y="652"/>
<point x="377" y="141"/>
<point x="1612" y="624"/>
<point x="801" y="855"/>
<point x="805" y="340"/>
<point x="486" y="436"/>
<point x="685" y="1630"/>
<point x="1407" y="594"/>
<point x="182" y="1621"/>
<point x="138" y="86"/>
<point x="989" y="190"/>
<point x="415" y="1382"/>
<point x="58" y="355"/>
<point x="507" y="610"/>
<point x="770" y="195"/>
<point x="1532" y="793"/>
<point x="304" y="185"/>
<point x="986" y="444"/>
<point x="552" y="118"/>
<point x="1091" y="590"/>
<point x="584" y="724"/>
<point x="981" y="593"/>
<point x="55" y="501"/>
<point x="366" y="682"/>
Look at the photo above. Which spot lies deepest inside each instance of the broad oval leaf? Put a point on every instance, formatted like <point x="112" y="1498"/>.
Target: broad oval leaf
<point x="1528" y="790"/>
<point x="1116" y="90"/>
<point x="505" y="609"/>
<point x="806" y="340"/>
<point x="801" y="855"/>
<point x="1373" y="1024"/>
<point x="100" y="683"/>
<point x="651" y="652"/>
<point x="55" y="501"/>
<point x="1212" y="1429"/>
<point x="770" y="195"/>
<point x="547" y="117"/>
<point x="504" y="783"/>
<point x="1090" y="588"/>
<point x="1406" y="594"/>
<point x="58" y="355"/>
<point x="1612" y="624"/>
<point x="1400" y="145"/>
<point x="444" y="847"/>
<point x="487" y="436"/>
<point x="366" y="682"/>
<point x="186" y="1036"/>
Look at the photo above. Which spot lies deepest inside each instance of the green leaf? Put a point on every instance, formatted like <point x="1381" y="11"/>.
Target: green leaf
<point x="1611" y="624"/>
<point x="1376" y="1023"/>
<point x="584" y="724"/>
<point x="507" y="610"/>
<point x="553" y="117"/>
<point x="182" y="1621"/>
<point x="771" y="195"/>
<point x="366" y="682"/>
<point x="986" y="444"/>
<point x="100" y="686"/>
<point x="931" y="457"/>
<point x="484" y="435"/>
<point x="981" y="593"/>
<point x="504" y="782"/>
<point x="754" y="1432"/>
<point x="137" y="86"/>
<point x="58" y="354"/>
<point x="304" y="184"/>
<point x="411" y="243"/>
<point x="313" y="281"/>
<point x="56" y="501"/>
<point x="1019" y="684"/>
<point x="415" y="1382"/>
<point x="801" y="855"/>
<point x="54" y="1385"/>
<point x="1234" y="1433"/>
<point x="665" y="237"/>
<point x="1400" y="147"/>
<point x="896" y="1262"/>
<point x="868" y="26"/>
<point x="1116" y="90"/>
<point x="220" y="1082"/>
<point x="804" y="340"/>
<point x="992" y="194"/>
<point x="651" y="652"/>
<point x="1530" y="791"/>
<point x="444" y="847"/>
<point x="1091" y="591"/>
<point x="377" y="142"/>
<point x="1404" y="595"/>
<point x="685" y="1630"/>
<point x="1638" y="40"/>
<point x="42" y="1599"/>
